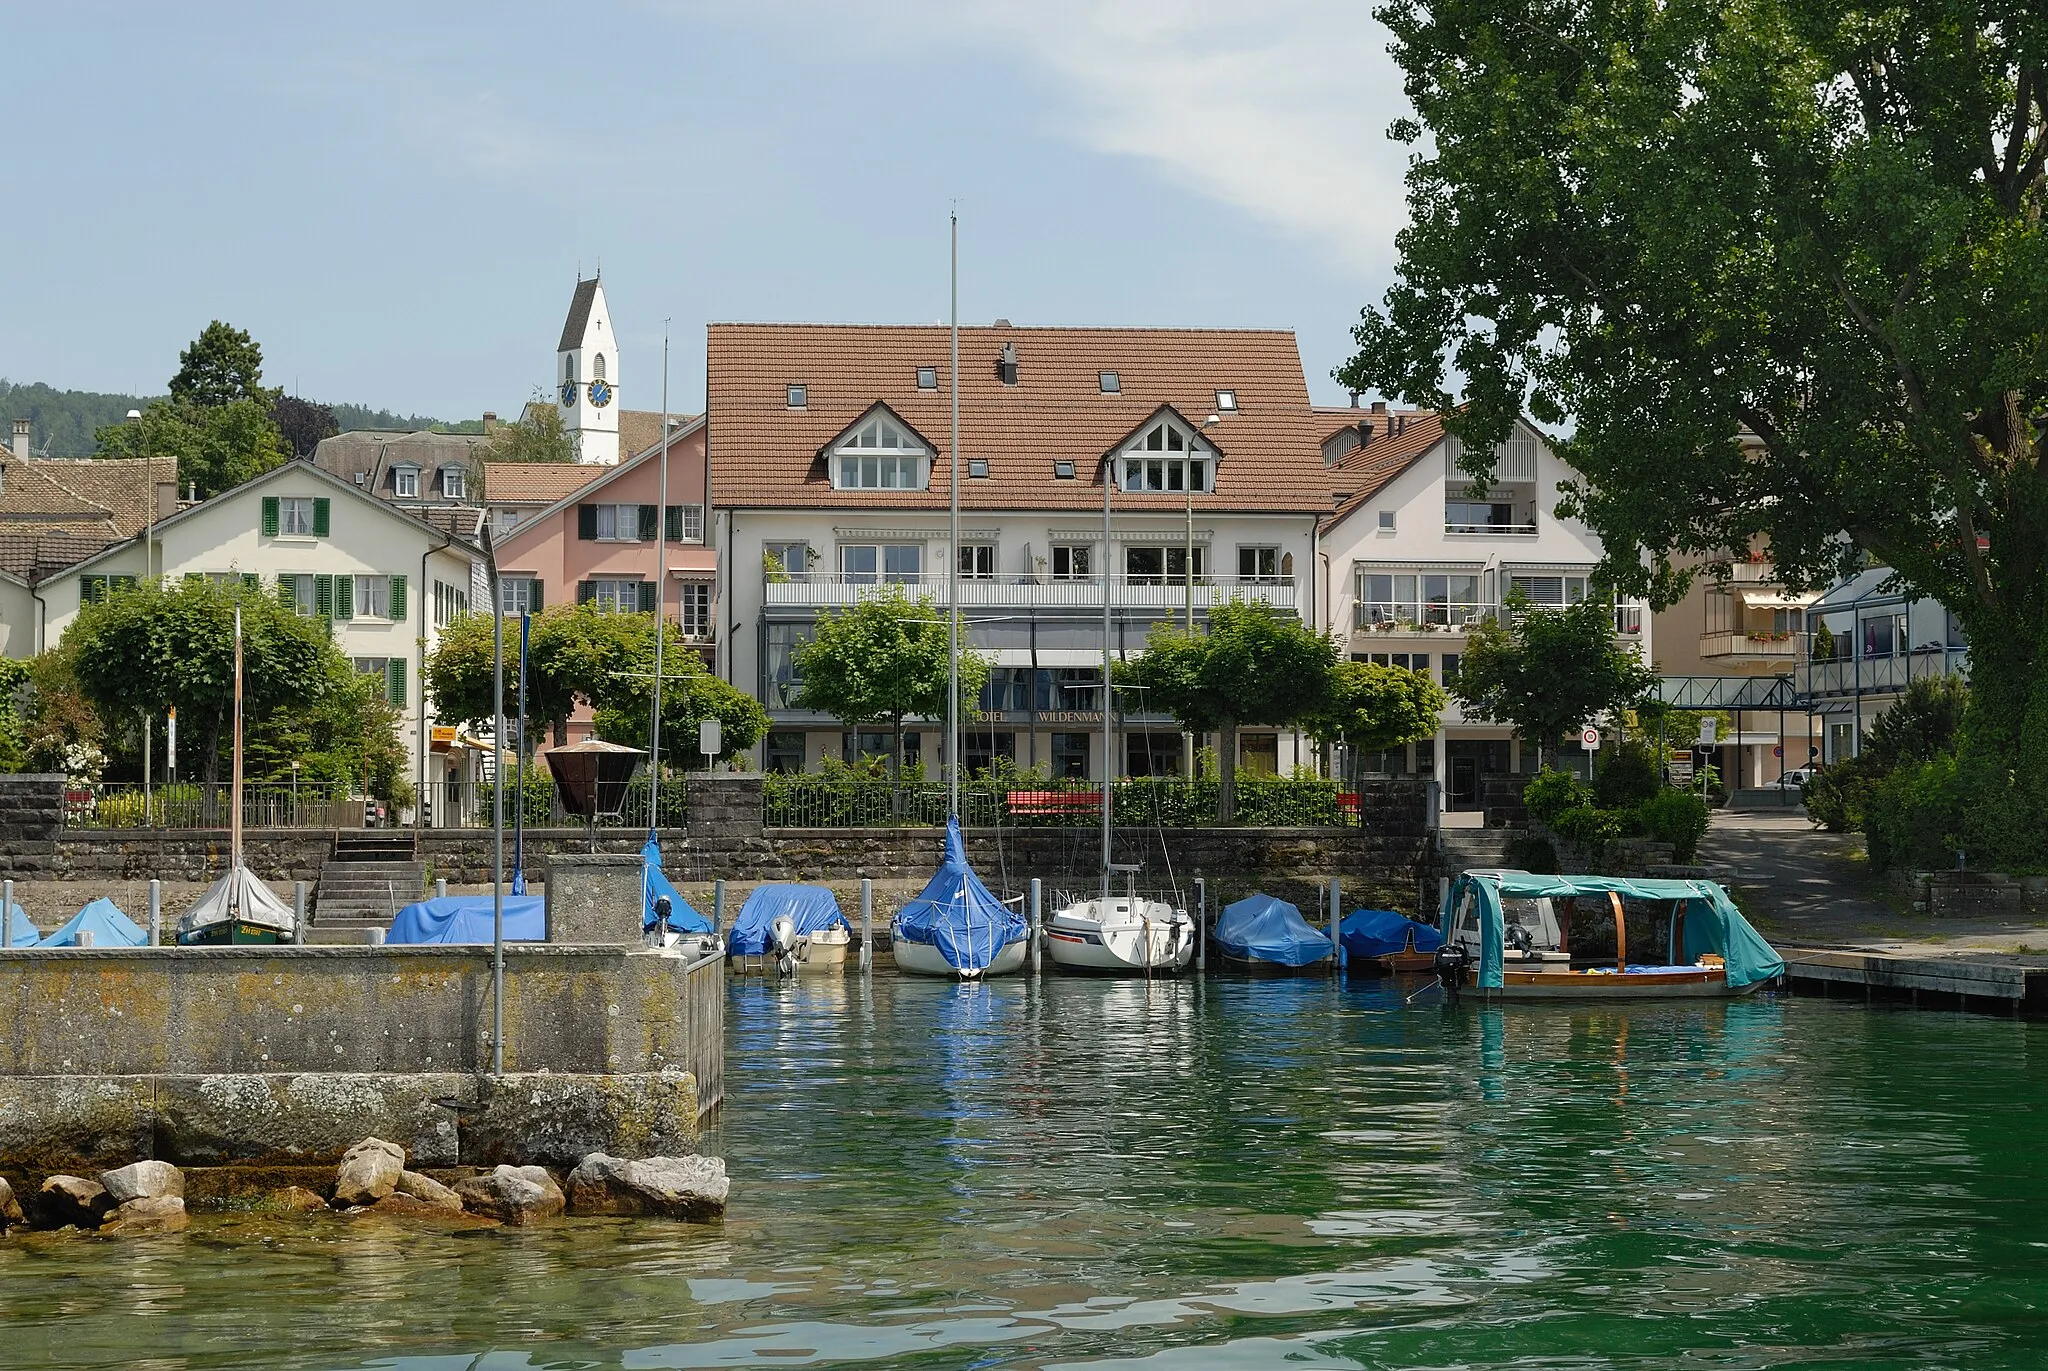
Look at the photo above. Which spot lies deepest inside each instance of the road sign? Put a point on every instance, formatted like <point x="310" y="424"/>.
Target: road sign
<point x="709" y="741"/>
<point x="1777" y="752"/>
<point x="1709" y="731"/>
<point x="1589" y="738"/>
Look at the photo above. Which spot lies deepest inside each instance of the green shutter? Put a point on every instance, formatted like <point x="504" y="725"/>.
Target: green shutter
<point x="397" y="599"/>
<point x="533" y="597"/>
<point x="586" y="522"/>
<point x="270" y="516"/>
<point x="647" y="595"/>
<point x="650" y="523"/>
<point x="394" y="671"/>
<point x="93" y="589"/>
<point x="323" y="597"/>
<point x="672" y="524"/>
<point x="321" y="506"/>
<point x="193" y="578"/>
<point x="251" y="581"/>
<point x="344" y="597"/>
<point x="115" y="583"/>
<point x="288" y="591"/>
<point x="586" y="591"/>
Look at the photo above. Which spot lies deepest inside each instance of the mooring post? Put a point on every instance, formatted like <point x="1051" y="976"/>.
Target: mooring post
<point x="298" y="911"/>
<point x="718" y="907"/>
<point x="867" y="922"/>
<point x="1201" y="924"/>
<point x="1037" y="925"/>
<point x="1337" y="921"/>
<point x="156" y="911"/>
<point x="7" y="914"/>
<point x="440" y="887"/>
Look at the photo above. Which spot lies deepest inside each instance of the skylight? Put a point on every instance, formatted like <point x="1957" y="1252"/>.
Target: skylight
<point x="1063" y="471"/>
<point x="927" y="378"/>
<point x="1111" y="383"/>
<point x="977" y="466"/>
<point x="1226" y="400"/>
<point x="799" y="396"/>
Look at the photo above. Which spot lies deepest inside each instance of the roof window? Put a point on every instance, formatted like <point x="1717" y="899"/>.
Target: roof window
<point x="1006" y="365"/>
<point x="798" y="395"/>
<point x="1063" y="471"/>
<point x="1226" y="401"/>
<point x="1111" y="383"/>
<point x="977" y="467"/>
<point x="927" y="378"/>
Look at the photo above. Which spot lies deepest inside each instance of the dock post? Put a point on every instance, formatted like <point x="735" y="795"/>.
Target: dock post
<point x="867" y="922"/>
<point x="718" y="907"/>
<point x="7" y="914"/>
<point x="440" y="887"/>
<point x="1336" y="921"/>
<point x="1201" y="924"/>
<point x="156" y="911"/>
<point x="1037" y="925"/>
<point x="298" y="911"/>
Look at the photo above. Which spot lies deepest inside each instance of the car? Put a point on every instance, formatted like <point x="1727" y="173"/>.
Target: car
<point x="1796" y="778"/>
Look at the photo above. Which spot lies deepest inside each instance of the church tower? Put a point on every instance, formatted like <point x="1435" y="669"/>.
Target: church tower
<point x="587" y="376"/>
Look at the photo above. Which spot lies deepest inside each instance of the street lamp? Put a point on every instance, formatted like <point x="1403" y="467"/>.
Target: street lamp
<point x="1187" y="484"/>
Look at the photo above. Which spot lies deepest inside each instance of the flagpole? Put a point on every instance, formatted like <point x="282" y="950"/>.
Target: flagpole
<point x="660" y="602"/>
<point x="235" y="800"/>
<point x="519" y="765"/>
<point x="953" y="551"/>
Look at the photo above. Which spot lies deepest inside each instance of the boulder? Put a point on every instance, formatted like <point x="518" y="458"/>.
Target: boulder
<point x="293" y="1199"/>
<point x="405" y="1208"/>
<point x="514" y="1194"/>
<point x="144" y="1181"/>
<point x="72" y="1201"/>
<point x="151" y="1214"/>
<point x="369" y="1171"/>
<point x="427" y="1190"/>
<point x="692" y="1187"/>
<point x="10" y="1208"/>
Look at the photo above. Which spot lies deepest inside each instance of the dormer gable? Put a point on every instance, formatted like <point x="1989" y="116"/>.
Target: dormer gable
<point x="878" y="451"/>
<point x="1166" y="453"/>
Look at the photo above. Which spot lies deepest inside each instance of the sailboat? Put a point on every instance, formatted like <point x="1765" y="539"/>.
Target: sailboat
<point x="956" y="927"/>
<point x="1121" y="935"/>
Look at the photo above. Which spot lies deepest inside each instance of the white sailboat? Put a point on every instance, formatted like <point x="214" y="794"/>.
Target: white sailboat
<point x="1121" y="935"/>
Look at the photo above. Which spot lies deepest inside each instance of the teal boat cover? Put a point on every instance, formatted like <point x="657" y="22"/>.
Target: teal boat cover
<point x="1263" y="928"/>
<point x="812" y="908"/>
<point x="467" y="919"/>
<point x="1383" y="932"/>
<point x="1712" y="922"/>
<point x="682" y="915"/>
<point x="104" y="920"/>
<point x="958" y="915"/>
<point x="21" y="933"/>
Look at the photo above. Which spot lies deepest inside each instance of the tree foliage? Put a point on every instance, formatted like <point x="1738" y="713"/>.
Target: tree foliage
<point x="222" y="365"/>
<point x="1373" y="708"/>
<point x="1544" y="672"/>
<point x="883" y="661"/>
<point x="689" y="695"/>
<point x="302" y="424"/>
<point x="1250" y="665"/>
<point x="1781" y="268"/>
<point x="217" y="420"/>
<point x="537" y="436"/>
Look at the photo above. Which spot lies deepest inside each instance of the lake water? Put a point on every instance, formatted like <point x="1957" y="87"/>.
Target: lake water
<point x="1190" y="1176"/>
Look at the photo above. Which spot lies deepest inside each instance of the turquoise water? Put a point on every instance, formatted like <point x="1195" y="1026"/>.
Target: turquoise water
<point x="1188" y="1176"/>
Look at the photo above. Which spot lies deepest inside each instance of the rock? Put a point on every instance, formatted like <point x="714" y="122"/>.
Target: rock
<point x="10" y="1208"/>
<point x="144" y="1181"/>
<point x="151" y="1214"/>
<point x="293" y="1199"/>
<point x="515" y="1194"/>
<point x="369" y="1171"/>
<point x="408" y="1209"/>
<point x="72" y="1201"/>
<point x="693" y="1187"/>
<point x="427" y="1190"/>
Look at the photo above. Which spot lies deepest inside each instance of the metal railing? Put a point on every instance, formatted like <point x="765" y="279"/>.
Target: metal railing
<point x="265" y="804"/>
<point x="1759" y="643"/>
<point x="1880" y="675"/>
<point x="1393" y="616"/>
<point x="456" y="804"/>
<point x="825" y="590"/>
<point x="822" y="801"/>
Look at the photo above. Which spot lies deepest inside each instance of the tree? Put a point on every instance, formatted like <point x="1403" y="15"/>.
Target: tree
<point x="302" y="424"/>
<point x="576" y="655"/>
<point x="1373" y="708"/>
<point x="216" y="449"/>
<point x="1250" y="665"/>
<point x="150" y="649"/>
<point x="347" y="734"/>
<point x="222" y="365"/>
<point x="1781" y="268"/>
<point x="882" y="661"/>
<point x="1547" y="671"/>
<point x="689" y="695"/>
<point x="538" y="436"/>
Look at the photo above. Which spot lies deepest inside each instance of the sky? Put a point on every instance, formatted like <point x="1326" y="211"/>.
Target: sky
<point x="396" y="200"/>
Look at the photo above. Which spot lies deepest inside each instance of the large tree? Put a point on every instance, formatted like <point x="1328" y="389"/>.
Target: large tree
<point x="222" y="365"/>
<point x="1778" y="269"/>
<point x="883" y="661"/>
<point x="537" y="436"/>
<point x="1547" y="671"/>
<point x="1249" y="665"/>
<point x="217" y="421"/>
<point x="302" y="424"/>
<point x="1373" y="708"/>
<point x="577" y="654"/>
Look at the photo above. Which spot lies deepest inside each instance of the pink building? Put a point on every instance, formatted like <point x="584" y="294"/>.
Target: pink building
<point x="602" y="541"/>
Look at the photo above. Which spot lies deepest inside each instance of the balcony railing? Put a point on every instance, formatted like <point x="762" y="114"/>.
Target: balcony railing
<point x="1773" y="645"/>
<point x="831" y="591"/>
<point x="1881" y="675"/>
<point x="1505" y="530"/>
<point x="1385" y="616"/>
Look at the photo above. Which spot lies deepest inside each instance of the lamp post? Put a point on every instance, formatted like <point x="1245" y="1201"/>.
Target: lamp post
<point x="1187" y="484"/>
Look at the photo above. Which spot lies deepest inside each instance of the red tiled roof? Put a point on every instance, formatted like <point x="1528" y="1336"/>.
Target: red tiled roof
<point x="126" y="487"/>
<point x="1403" y="437"/>
<point x="540" y="483"/>
<point x="764" y="454"/>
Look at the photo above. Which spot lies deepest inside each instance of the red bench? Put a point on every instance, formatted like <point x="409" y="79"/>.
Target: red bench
<point x="1054" y="802"/>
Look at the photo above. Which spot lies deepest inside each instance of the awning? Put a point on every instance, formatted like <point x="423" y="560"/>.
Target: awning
<point x="1778" y="599"/>
<point x="693" y="563"/>
<point x="1049" y="656"/>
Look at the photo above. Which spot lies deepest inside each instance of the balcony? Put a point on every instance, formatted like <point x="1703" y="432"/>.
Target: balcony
<point x="1881" y="675"/>
<point x="1755" y="645"/>
<point x="1416" y="617"/>
<point x="1501" y="528"/>
<point x="831" y="591"/>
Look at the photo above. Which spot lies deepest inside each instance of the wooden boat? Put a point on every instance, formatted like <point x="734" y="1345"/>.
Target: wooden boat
<point x="1710" y="951"/>
<point x="1384" y="942"/>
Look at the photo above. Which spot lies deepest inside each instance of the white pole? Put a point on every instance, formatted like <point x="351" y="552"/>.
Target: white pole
<point x="660" y="602"/>
<point x="953" y="553"/>
<point x="1108" y="735"/>
<point x="156" y="911"/>
<point x="7" y="914"/>
<point x="1337" y="920"/>
<point x="1201" y="924"/>
<point x="1037" y="924"/>
<point x="497" y="806"/>
<point x="441" y="885"/>
<point x="867" y="922"/>
<point x="298" y="911"/>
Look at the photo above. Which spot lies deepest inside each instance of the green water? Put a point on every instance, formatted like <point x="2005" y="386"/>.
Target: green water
<point x="1189" y="1177"/>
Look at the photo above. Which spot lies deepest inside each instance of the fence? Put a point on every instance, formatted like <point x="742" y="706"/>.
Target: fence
<point x="812" y="801"/>
<point x="266" y="804"/>
<point x="704" y="996"/>
<point x="621" y="805"/>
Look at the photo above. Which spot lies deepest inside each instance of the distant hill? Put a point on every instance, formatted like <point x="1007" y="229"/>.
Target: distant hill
<point x="62" y="422"/>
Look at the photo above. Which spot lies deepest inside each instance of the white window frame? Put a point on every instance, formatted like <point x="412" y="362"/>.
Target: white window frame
<point x="405" y="482"/>
<point x="614" y="514"/>
<point x="1073" y="561"/>
<point x="450" y="603"/>
<point x="1572" y="586"/>
<point x="454" y="483"/>
<point x="607" y="593"/>
<point x="1386" y="521"/>
<point x="372" y="597"/>
<point x="1165" y="458"/>
<point x="978" y="561"/>
<point x="881" y="555"/>
<point x="693" y="608"/>
<point x="515" y="595"/>
<point x="1257" y="552"/>
<point x="303" y="596"/>
<point x="295" y="516"/>
<point x="881" y="453"/>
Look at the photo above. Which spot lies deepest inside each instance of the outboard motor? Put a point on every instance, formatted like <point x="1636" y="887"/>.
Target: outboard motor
<point x="1452" y="959"/>
<point x="782" y="935"/>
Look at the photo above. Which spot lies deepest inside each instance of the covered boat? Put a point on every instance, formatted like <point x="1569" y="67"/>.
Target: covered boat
<point x="820" y="928"/>
<point x="19" y="931"/>
<point x="1267" y="933"/>
<point x="1385" y="940"/>
<point x="104" y="921"/>
<point x="1710" y="950"/>
<point x="682" y="916"/>
<point x="956" y="927"/>
<point x="238" y="908"/>
<point x="467" y="919"/>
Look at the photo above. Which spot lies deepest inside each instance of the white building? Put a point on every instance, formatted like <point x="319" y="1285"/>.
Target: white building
<point x="829" y="481"/>
<point x="587" y="376"/>
<point x="1412" y="559"/>
<point x="384" y="578"/>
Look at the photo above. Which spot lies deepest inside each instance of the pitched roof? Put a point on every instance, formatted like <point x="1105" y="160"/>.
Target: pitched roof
<point x="536" y="483"/>
<point x="33" y="553"/>
<point x="1364" y="472"/>
<point x="578" y="321"/>
<point x="763" y="453"/>
<point x="372" y="453"/>
<point x="119" y="492"/>
<point x="640" y="429"/>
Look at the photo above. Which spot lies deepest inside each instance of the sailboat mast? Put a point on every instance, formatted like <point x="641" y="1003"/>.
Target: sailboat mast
<point x="953" y="548"/>
<point x="235" y="778"/>
<point x="660" y="606"/>
<point x="1108" y="695"/>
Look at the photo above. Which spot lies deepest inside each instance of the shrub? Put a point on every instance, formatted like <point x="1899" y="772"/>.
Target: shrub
<point x="1550" y="794"/>
<point x="1913" y="815"/>
<point x="1533" y="854"/>
<point x="1836" y="795"/>
<point x="1678" y="817"/>
<point x="1628" y="777"/>
<point x="1587" y="827"/>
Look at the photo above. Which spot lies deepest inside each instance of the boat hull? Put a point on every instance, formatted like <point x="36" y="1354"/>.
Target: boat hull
<point x="1253" y="967"/>
<point x="823" y="951"/>
<point x="232" y="932"/>
<point x="922" y="959"/>
<point x="1077" y="941"/>
<point x="1691" y="983"/>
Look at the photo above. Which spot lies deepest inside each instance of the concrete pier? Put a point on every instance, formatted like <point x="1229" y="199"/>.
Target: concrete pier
<point x="1985" y="982"/>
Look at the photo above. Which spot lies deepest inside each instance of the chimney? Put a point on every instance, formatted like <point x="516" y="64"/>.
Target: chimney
<point x="1354" y="399"/>
<point x="166" y="498"/>
<point x="21" y="438"/>
<point x="1400" y="423"/>
<point x="1006" y="369"/>
<point x="490" y="422"/>
<point x="1364" y="432"/>
<point x="1379" y="407"/>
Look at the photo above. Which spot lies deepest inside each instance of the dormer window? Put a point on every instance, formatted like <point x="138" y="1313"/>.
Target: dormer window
<point x="880" y="453"/>
<point x="405" y="482"/>
<point x="1166" y="457"/>
<point x="453" y="483"/>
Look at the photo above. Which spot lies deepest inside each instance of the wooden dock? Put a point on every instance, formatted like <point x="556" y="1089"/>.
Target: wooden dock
<point x="1989" y="983"/>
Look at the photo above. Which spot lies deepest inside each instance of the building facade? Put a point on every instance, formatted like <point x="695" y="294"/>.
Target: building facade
<point x="829" y="456"/>
<point x="1867" y="639"/>
<point x="587" y="376"/>
<point x="1413" y="556"/>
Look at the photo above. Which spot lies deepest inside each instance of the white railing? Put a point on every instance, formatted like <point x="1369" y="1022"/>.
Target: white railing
<point x="1395" y="616"/>
<point x="1506" y="530"/>
<point x="1785" y="646"/>
<point x="826" y="591"/>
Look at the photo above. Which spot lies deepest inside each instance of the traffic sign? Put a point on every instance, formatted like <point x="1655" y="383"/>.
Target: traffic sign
<point x="1777" y="752"/>
<point x="1589" y="738"/>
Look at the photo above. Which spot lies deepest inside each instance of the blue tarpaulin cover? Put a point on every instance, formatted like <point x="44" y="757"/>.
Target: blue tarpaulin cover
<point x="1261" y="928"/>
<point x="682" y="916"/>
<point x="811" y="907"/>
<point x="1712" y="922"/>
<point x="958" y="915"/>
<point x="105" y="921"/>
<point x="25" y="934"/>
<point x="1383" y="932"/>
<point x="467" y="919"/>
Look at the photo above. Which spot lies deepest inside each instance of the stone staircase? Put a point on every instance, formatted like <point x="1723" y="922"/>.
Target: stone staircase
<point x="367" y="878"/>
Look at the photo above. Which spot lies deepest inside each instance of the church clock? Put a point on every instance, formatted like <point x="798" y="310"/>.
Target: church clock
<point x="600" y="393"/>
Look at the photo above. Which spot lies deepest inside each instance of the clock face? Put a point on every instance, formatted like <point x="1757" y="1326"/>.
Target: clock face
<point x="600" y="393"/>
<point x="568" y="394"/>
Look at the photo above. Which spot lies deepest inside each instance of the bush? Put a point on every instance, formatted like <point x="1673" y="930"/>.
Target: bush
<point x="1587" y="827"/>
<point x="1533" y="854"/>
<point x="1550" y="794"/>
<point x="1678" y="817"/>
<point x="1628" y="777"/>
<point x="1913" y="815"/>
